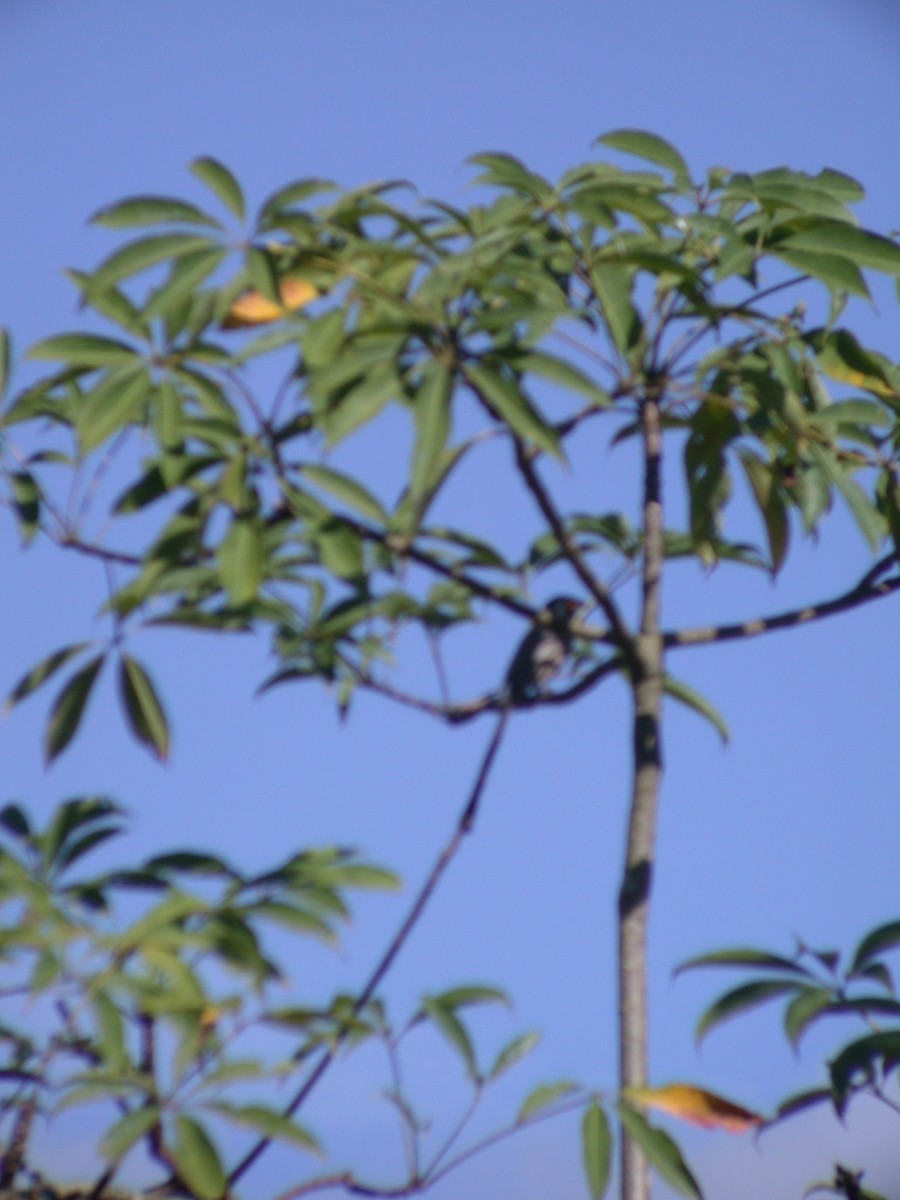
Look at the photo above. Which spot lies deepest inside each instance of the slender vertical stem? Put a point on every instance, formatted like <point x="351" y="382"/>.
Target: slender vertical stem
<point x="634" y="897"/>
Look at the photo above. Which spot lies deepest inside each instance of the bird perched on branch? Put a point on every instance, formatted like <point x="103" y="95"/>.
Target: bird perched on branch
<point x="540" y="657"/>
<point x="542" y="652"/>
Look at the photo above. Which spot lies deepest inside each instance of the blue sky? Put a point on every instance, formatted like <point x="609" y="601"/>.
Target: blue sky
<point x="791" y="830"/>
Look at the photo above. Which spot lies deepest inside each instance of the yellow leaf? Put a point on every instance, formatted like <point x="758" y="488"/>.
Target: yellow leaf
<point x="253" y="308"/>
<point x="697" y="1106"/>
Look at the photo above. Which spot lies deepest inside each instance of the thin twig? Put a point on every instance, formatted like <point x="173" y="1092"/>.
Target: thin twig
<point x="534" y="484"/>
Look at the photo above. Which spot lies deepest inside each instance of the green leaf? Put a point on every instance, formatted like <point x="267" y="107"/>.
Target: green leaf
<point x="151" y="210"/>
<point x="557" y="370"/>
<point x="661" y="1152"/>
<point x="512" y="1053"/>
<point x="360" y="404"/>
<point x="42" y="672"/>
<point x="765" y="490"/>
<point x="740" y="1000"/>
<point x="875" y="943"/>
<point x="543" y="1097"/>
<point x="431" y="412"/>
<point x="800" y="1101"/>
<point x="743" y="957"/>
<point x="447" y="1022"/>
<point x="221" y="182"/>
<point x="27" y="500"/>
<point x="83" y="350"/>
<point x="340" y="549"/>
<point x="861" y="1057"/>
<point x="197" y="1160"/>
<point x="119" y="1138"/>
<point x="116" y="402"/>
<point x="145" y="713"/>
<point x="849" y="242"/>
<point x="800" y="1012"/>
<point x="14" y="821"/>
<point x="268" y="1123"/>
<point x="692" y="699"/>
<point x="596" y="1149"/>
<point x="830" y="269"/>
<point x="110" y="1032"/>
<point x="262" y="274"/>
<point x="348" y="490"/>
<point x="241" y="560"/>
<point x="647" y="146"/>
<point x="510" y="403"/>
<point x="139" y="255"/>
<point x="68" y="709"/>
<point x="458" y="997"/>
<point x="286" y="197"/>
<point x="870" y="522"/>
<point x="612" y="283"/>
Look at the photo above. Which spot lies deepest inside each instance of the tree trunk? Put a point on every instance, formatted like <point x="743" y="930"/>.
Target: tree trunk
<point x="634" y="897"/>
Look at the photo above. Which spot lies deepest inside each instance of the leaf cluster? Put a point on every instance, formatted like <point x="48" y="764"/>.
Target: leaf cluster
<point x="530" y="317"/>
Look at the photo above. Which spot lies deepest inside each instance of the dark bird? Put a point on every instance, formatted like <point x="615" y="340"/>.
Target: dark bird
<point x="540" y="657"/>
<point x="542" y="652"/>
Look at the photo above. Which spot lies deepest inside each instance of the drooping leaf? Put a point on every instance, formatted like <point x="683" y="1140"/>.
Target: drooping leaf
<point x="268" y="1123"/>
<point x="697" y="1106"/>
<point x="699" y="704"/>
<point x="27" y="500"/>
<point x="128" y="1130"/>
<point x="596" y="1150"/>
<point x="799" y="1013"/>
<point x="612" y="283"/>
<point x="662" y="1154"/>
<point x="68" y="709"/>
<point x="142" y="706"/>
<point x="509" y="401"/>
<point x="241" y="560"/>
<point x="877" y="942"/>
<point x="740" y="1000"/>
<point x="197" y="1159"/>
<point x="448" y="1023"/>
<point x="431" y="413"/>
<point x="348" y="490"/>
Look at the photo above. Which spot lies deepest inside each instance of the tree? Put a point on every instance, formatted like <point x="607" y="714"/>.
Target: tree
<point x="636" y="305"/>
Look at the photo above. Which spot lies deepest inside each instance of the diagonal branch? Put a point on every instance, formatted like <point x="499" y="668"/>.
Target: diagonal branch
<point x="861" y="593"/>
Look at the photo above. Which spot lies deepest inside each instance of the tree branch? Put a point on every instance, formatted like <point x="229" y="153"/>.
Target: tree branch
<point x="862" y="593"/>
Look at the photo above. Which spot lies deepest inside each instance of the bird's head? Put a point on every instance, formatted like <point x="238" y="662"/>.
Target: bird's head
<point x="563" y="608"/>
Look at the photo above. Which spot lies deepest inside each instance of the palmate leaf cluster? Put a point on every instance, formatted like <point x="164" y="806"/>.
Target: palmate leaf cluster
<point x="824" y="988"/>
<point x="166" y="1000"/>
<point x="527" y="317"/>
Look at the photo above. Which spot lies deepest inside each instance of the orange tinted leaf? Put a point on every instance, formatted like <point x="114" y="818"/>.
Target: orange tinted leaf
<point x="697" y="1106"/>
<point x="253" y="308"/>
